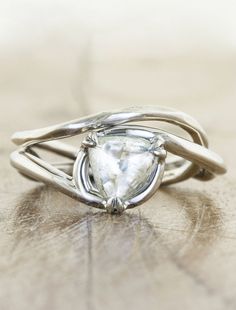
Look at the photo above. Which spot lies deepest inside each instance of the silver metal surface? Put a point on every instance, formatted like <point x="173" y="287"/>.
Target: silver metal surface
<point x="194" y="158"/>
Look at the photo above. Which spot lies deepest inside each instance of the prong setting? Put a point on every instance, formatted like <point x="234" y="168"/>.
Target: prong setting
<point x="118" y="151"/>
<point x="160" y="153"/>
<point x="90" y="140"/>
<point x="157" y="147"/>
<point x="114" y="205"/>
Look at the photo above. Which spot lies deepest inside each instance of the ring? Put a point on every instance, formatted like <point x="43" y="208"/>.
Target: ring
<point x="118" y="165"/>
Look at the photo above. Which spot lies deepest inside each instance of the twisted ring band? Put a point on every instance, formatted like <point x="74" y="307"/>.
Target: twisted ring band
<point x="118" y="165"/>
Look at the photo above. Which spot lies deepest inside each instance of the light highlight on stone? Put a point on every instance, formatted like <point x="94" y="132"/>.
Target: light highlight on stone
<point x="121" y="165"/>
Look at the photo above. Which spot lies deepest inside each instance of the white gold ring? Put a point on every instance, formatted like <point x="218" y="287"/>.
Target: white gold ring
<point x="118" y="165"/>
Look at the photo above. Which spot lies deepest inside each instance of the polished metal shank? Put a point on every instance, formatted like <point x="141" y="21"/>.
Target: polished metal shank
<point x="75" y="179"/>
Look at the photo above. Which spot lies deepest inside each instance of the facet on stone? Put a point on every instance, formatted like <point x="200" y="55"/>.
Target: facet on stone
<point x="121" y="165"/>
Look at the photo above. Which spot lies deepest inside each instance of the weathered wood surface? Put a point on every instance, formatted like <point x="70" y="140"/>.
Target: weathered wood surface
<point x="178" y="251"/>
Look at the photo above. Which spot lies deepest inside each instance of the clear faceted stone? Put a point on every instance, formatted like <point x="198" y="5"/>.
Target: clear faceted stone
<point x="121" y="165"/>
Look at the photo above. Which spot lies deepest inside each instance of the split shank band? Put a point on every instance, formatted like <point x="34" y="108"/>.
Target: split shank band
<point x="118" y="165"/>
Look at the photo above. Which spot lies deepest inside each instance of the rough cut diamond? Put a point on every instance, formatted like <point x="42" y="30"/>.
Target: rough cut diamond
<point x="121" y="165"/>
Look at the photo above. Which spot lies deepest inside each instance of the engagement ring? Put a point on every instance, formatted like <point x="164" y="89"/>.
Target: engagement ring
<point x="118" y="165"/>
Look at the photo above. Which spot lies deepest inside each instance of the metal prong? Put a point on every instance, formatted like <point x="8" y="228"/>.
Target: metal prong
<point x="114" y="205"/>
<point x="157" y="141"/>
<point x="161" y="153"/>
<point x="157" y="147"/>
<point x="90" y="140"/>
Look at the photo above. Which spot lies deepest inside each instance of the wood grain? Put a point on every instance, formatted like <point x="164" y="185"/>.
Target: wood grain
<point x="178" y="251"/>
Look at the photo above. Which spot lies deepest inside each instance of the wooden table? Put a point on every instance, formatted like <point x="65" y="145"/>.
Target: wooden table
<point x="177" y="251"/>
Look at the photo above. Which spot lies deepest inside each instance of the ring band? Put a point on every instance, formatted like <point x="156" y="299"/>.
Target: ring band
<point x="118" y="165"/>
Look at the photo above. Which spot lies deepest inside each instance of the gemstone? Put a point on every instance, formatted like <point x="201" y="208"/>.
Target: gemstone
<point x="122" y="166"/>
